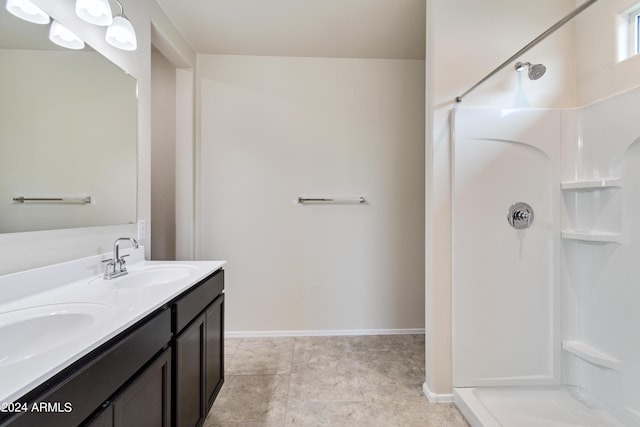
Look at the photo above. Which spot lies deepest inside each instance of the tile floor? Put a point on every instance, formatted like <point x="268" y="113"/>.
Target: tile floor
<point x="327" y="381"/>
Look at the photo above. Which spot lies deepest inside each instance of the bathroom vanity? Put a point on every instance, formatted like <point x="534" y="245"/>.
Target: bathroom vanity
<point x="145" y="349"/>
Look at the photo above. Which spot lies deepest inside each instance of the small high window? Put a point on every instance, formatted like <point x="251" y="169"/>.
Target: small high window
<point x="629" y="32"/>
<point x="634" y="36"/>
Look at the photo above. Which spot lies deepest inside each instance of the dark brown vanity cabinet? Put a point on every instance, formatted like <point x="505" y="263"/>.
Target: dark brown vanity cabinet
<point x="198" y="361"/>
<point x="96" y="382"/>
<point x="165" y="370"/>
<point x="190" y="409"/>
<point x="214" y="362"/>
<point x="145" y="402"/>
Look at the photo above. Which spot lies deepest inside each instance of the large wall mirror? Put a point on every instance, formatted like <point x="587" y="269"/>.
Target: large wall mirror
<point x="68" y="134"/>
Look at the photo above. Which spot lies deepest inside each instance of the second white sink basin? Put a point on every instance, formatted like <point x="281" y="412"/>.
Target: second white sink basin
<point x="153" y="276"/>
<point x="37" y="330"/>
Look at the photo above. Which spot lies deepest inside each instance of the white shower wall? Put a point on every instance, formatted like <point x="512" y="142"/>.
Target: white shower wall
<point x="525" y="310"/>
<point x="506" y="294"/>
<point x="456" y="28"/>
<point x="601" y="292"/>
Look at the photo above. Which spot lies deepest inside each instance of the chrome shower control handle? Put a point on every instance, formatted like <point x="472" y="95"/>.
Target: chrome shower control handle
<point x="520" y="215"/>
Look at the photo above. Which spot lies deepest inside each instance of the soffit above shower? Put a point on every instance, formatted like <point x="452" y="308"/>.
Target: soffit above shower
<point x="390" y="29"/>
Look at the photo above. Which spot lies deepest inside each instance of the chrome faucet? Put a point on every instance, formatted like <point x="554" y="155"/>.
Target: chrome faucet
<point x="116" y="265"/>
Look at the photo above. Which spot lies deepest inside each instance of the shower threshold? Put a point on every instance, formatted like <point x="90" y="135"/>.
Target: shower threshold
<point x="528" y="407"/>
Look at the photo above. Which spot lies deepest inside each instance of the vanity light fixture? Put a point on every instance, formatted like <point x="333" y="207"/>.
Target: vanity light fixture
<point x="120" y="33"/>
<point x="62" y="36"/>
<point x="97" y="12"/>
<point x="25" y="9"/>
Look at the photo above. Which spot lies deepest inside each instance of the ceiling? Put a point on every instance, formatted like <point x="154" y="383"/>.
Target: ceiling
<point x="392" y="29"/>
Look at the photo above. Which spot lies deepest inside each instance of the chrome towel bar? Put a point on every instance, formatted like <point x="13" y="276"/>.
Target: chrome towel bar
<point x="333" y="200"/>
<point x="81" y="200"/>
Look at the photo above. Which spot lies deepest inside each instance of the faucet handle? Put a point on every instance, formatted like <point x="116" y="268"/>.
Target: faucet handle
<point x="122" y="262"/>
<point x="110" y="268"/>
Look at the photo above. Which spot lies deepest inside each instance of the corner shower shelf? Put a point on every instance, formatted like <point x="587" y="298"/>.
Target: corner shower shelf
<point x="592" y="184"/>
<point x="592" y="236"/>
<point x="590" y="354"/>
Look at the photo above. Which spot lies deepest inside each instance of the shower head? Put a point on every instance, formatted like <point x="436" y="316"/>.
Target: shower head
<point x="535" y="71"/>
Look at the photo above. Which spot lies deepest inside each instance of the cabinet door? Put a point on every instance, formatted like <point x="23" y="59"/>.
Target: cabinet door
<point x="190" y="374"/>
<point x="147" y="401"/>
<point x="104" y="419"/>
<point x="214" y="346"/>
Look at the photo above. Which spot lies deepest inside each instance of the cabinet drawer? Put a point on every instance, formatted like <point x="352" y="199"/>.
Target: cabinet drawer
<point x="193" y="303"/>
<point x="91" y="381"/>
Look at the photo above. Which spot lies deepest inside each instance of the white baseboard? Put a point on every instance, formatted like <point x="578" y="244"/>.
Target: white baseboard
<point x="322" y="333"/>
<point x="434" y="397"/>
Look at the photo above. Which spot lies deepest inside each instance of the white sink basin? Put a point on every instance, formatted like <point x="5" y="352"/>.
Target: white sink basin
<point x="37" y="330"/>
<point x="153" y="276"/>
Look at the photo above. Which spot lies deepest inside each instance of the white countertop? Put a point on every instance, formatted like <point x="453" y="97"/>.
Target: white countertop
<point x="52" y="316"/>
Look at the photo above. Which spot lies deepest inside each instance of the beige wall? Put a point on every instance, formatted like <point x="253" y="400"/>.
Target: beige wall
<point x="467" y="39"/>
<point x="163" y="158"/>
<point x="275" y="128"/>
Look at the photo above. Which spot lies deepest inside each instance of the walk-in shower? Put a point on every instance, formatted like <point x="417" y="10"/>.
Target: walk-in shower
<point x="545" y="309"/>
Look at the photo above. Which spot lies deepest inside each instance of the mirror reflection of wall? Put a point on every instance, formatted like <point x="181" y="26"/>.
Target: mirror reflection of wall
<point x="68" y="128"/>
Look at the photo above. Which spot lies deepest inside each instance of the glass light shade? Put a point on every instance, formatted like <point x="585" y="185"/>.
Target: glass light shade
<point x="121" y="34"/>
<point x="97" y="12"/>
<point x="25" y="9"/>
<point x="62" y="36"/>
